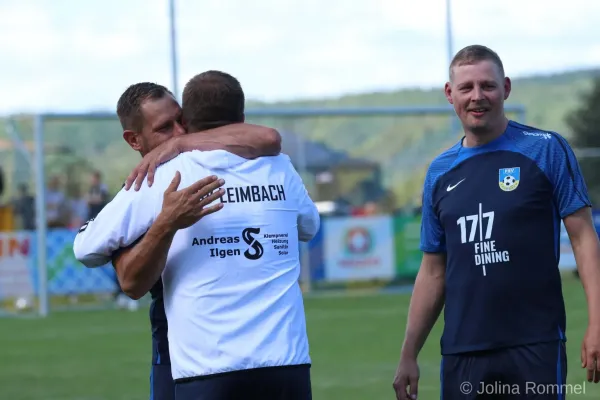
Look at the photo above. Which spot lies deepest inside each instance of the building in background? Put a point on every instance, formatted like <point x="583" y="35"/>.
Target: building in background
<point x="335" y="177"/>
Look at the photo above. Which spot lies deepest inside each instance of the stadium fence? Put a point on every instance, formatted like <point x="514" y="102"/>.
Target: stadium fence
<point x="364" y="167"/>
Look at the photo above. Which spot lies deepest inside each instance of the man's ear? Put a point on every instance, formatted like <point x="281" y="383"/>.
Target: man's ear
<point x="133" y="140"/>
<point x="448" y="92"/>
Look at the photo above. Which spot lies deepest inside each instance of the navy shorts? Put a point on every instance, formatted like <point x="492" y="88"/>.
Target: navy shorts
<point x="162" y="386"/>
<point x="273" y="383"/>
<point x="531" y="372"/>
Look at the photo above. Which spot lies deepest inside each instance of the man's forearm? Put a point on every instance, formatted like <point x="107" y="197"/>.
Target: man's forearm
<point x="426" y="304"/>
<point x="587" y="255"/>
<point x="139" y="267"/>
<point x="245" y="140"/>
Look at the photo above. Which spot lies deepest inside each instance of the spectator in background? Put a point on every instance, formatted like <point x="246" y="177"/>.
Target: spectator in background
<point x="79" y="208"/>
<point x="97" y="196"/>
<point x="24" y="208"/>
<point x="57" y="213"/>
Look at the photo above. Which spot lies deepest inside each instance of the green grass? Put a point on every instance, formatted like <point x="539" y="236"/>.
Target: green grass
<point x="355" y="342"/>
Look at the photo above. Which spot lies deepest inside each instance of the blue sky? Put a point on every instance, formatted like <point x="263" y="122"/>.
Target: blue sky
<point x="62" y="55"/>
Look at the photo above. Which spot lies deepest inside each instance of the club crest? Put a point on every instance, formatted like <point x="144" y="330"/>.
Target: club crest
<point x="508" y="178"/>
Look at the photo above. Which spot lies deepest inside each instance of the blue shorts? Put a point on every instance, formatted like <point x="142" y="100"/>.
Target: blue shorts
<point x="162" y="386"/>
<point x="272" y="383"/>
<point x="531" y="372"/>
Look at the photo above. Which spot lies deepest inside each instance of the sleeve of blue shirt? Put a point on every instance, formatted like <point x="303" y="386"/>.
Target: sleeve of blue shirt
<point x="570" y="191"/>
<point x="433" y="239"/>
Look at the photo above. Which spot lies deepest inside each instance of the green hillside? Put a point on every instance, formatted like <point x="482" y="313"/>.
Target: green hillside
<point x="403" y="145"/>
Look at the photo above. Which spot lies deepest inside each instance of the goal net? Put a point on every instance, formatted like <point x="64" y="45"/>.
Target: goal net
<point x="364" y="167"/>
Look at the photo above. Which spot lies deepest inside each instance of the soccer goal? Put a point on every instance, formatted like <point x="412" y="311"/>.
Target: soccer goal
<point x="362" y="166"/>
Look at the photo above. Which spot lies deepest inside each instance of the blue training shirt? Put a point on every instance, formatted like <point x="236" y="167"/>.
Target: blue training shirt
<point x="495" y="210"/>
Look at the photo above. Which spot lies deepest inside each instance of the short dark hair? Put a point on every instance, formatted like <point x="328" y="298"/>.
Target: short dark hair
<point x="130" y="103"/>
<point x="212" y="99"/>
<point x="473" y="54"/>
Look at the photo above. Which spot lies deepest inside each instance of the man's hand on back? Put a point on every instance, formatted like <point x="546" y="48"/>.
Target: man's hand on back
<point x="183" y="208"/>
<point x="161" y="154"/>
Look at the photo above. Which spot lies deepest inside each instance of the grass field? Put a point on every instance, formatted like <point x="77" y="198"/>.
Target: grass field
<point x="355" y="342"/>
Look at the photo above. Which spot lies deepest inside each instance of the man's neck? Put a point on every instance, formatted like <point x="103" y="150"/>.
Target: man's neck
<point x="201" y="127"/>
<point x="481" y="138"/>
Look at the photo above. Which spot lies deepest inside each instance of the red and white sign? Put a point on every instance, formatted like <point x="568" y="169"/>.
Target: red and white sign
<point x="359" y="248"/>
<point x="15" y="277"/>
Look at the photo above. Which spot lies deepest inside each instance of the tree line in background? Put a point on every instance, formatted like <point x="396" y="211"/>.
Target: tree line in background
<point x="585" y="134"/>
<point x="402" y="146"/>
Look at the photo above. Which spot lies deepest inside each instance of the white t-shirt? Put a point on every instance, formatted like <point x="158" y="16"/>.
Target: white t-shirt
<point x="231" y="289"/>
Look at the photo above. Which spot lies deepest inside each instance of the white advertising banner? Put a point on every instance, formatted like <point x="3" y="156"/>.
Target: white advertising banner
<point x="16" y="279"/>
<point x="359" y="248"/>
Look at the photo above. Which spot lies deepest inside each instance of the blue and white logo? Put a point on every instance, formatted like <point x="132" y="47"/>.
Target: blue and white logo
<point x="508" y="178"/>
<point x="543" y="135"/>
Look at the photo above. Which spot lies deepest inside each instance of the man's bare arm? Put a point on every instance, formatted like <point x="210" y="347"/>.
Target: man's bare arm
<point x="140" y="266"/>
<point x="586" y="248"/>
<point x="426" y="303"/>
<point x="246" y="140"/>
